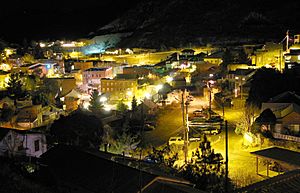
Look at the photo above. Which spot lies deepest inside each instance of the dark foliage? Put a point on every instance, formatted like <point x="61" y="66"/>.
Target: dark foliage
<point x="80" y="128"/>
<point x="266" y="83"/>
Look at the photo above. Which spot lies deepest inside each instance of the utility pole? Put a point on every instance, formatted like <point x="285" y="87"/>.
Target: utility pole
<point x="182" y="108"/>
<point x="226" y="157"/>
<point x="185" y="126"/>
<point x="186" y="139"/>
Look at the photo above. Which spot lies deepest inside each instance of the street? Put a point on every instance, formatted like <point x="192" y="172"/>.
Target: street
<point x="242" y="165"/>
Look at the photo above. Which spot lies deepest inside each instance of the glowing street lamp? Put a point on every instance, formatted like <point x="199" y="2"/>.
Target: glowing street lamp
<point x="147" y="95"/>
<point x="129" y="93"/>
<point x="103" y="99"/>
<point x="159" y="87"/>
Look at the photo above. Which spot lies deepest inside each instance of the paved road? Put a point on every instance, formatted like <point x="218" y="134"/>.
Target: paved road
<point x="242" y="164"/>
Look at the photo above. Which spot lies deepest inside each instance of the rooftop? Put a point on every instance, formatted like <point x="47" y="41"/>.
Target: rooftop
<point x="97" y="69"/>
<point x="279" y="154"/>
<point x="288" y="182"/>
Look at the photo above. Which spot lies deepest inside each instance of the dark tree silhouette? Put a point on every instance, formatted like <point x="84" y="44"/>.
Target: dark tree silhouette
<point x="80" y="129"/>
<point x="266" y="83"/>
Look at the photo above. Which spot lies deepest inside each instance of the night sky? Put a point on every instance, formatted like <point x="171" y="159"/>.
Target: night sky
<point x="54" y="19"/>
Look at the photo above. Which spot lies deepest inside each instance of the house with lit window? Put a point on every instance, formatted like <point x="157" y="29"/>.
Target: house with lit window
<point x="119" y="88"/>
<point x="82" y="65"/>
<point x="139" y="71"/>
<point x="4" y="78"/>
<point x="22" y="143"/>
<point x="214" y="58"/>
<point x="92" y="76"/>
<point x="30" y="117"/>
<point x="286" y="108"/>
<point x="292" y="59"/>
<point x="269" y="55"/>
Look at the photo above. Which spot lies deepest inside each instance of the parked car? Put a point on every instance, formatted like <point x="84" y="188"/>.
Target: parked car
<point x="148" y="127"/>
<point x="176" y="141"/>
<point x="211" y="130"/>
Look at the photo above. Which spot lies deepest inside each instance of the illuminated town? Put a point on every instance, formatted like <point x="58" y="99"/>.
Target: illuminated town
<point x="117" y="112"/>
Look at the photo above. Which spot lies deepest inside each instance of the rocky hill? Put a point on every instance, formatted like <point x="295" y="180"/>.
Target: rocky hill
<point x="174" y="23"/>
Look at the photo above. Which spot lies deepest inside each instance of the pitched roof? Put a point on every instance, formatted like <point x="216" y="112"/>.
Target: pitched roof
<point x="280" y="154"/>
<point x="215" y="55"/>
<point x="288" y="182"/>
<point x="96" y="173"/>
<point x="96" y="69"/>
<point x="286" y="97"/>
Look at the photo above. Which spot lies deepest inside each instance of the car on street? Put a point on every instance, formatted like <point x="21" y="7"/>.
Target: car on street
<point x="176" y="141"/>
<point x="149" y="127"/>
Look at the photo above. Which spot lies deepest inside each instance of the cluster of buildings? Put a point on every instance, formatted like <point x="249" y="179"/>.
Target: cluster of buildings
<point x="78" y="75"/>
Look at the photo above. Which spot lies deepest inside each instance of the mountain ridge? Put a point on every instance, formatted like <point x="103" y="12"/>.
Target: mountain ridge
<point x="175" y="23"/>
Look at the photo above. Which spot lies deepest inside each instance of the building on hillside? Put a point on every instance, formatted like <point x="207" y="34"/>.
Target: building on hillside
<point x="71" y="101"/>
<point x="139" y="71"/>
<point x="30" y="117"/>
<point x="119" y="88"/>
<point x="65" y="84"/>
<point x="4" y="78"/>
<point x="292" y="59"/>
<point x="22" y="143"/>
<point x="239" y="81"/>
<point x="187" y="52"/>
<point x="270" y="55"/>
<point x="286" y="108"/>
<point x="93" y="76"/>
<point x="83" y="65"/>
<point x="214" y="58"/>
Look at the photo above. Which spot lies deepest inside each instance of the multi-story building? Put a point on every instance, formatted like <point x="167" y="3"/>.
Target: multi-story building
<point x="92" y="76"/>
<point x="119" y="88"/>
<point x="269" y="55"/>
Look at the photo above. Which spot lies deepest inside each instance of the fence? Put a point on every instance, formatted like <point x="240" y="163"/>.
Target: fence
<point x="286" y="137"/>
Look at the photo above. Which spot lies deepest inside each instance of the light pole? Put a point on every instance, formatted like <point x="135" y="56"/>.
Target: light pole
<point x="209" y="83"/>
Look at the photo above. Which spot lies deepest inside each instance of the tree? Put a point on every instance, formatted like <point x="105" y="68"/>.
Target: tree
<point x="125" y="141"/>
<point x="122" y="107"/>
<point x="50" y="89"/>
<point x="80" y="129"/>
<point x="14" y="86"/>
<point x="207" y="170"/>
<point x="266" y="118"/>
<point x="266" y="83"/>
<point x="133" y="104"/>
<point x="95" y="104"/>
<point x="40" y="98"/>
<point x="7" y="114"/>
<point x="28" y="58"/>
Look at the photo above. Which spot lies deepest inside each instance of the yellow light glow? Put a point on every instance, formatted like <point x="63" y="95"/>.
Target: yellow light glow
<point x="147" y="95"/>
<point x="129" y="93"/>
<point x="86" y="105"/>
<point x="42" y="45"/>
<point x="103" y="99"/>
<point x="107" y="108"/>
<point x="248" y="138"/>
<point x="169" y="79"/>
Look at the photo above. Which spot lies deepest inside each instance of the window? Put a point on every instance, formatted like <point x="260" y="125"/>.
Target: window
<point x="37" y="145"/>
